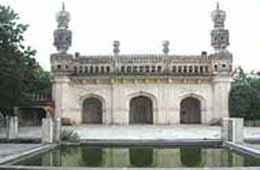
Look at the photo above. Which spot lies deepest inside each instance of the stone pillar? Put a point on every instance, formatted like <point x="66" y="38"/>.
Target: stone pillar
<point x="57" y="130"/>
<point x="12" y="127"/>
<point x="60" y="95"/>
<point x="47" y="130"/>
<point x="221" y="89"/>
<point x="238" y="130"/>
<point x="120" y="108"/>
<point x="225" y="129"/>
<point x="233" y="130"/>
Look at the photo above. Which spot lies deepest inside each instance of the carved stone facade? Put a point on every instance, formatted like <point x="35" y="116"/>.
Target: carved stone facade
<point x="160" y="88"/>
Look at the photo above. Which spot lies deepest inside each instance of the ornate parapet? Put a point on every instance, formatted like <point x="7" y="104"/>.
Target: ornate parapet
<point x="126" y="65"/>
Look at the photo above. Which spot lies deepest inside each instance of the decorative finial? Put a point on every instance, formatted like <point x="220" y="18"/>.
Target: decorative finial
<point x="217" y="5"/>
<point x="116" y="49"/>
<point x="165" y="45"/>
<point x="63" y="6"/>
<point x="218" y="17"/>
<point x="63" y="18"/>
<point x="62" y="35"/>
<point x="219" y="35"/>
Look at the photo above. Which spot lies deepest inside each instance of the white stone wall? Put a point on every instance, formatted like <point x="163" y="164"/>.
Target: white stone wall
<point x="116" y="98"/>
<point x="221" y="89"/>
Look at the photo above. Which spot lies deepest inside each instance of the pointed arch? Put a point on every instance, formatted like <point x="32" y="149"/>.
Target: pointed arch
<point x="192" y="108"/>
<point x="93" y="109"/>
<point x="148" y="104"/>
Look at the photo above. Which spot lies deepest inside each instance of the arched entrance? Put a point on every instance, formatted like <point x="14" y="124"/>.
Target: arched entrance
<point x="31" y="116"/>
<point x="190" y="112"/>
<point x="141" y="110"/>
<point x="92" y="111"/>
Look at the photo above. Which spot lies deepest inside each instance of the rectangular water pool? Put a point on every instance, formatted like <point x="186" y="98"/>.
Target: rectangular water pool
<point x="188" y="156"/>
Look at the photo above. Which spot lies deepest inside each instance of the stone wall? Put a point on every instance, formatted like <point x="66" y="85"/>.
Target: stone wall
<point x="70" y="94"/>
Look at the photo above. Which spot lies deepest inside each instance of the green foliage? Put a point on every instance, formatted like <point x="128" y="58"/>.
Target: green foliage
<point x="244" y="98"/>
<point x="39" y="82"/>
<point x="70" y="136"/>
<point x="19" y="72"/>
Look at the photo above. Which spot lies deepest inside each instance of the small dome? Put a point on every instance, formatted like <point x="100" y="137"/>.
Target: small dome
<point x="63" y="18"/>
<point x="166" y="43"/>
<point x="218" y="17"/>
<point x="116" y="43"/>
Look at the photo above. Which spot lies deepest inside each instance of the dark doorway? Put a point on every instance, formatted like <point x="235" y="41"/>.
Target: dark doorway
<point x="31" y="116"/>
<point x="92" y="111"/>
<point x="190" y="111"/>
<point x="141" y="110"/>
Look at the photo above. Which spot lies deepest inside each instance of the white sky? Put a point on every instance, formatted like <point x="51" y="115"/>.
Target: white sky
<point x="141" y="25"/>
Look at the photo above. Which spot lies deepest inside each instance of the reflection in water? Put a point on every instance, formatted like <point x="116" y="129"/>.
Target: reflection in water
<point x="141" y="157"/>
<point x="191" y="157"/>
<point x="68" y="156"/>
<point x="91" y="156"/>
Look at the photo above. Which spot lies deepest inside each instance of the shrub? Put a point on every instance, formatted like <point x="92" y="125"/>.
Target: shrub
<point x="70" y="136"/>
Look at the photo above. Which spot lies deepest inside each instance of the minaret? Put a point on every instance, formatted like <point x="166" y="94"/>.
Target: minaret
<point x="219" y="35"/>
<point x="62" y="35"/>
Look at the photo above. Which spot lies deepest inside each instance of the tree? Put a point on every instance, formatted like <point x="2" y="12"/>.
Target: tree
<point x="16" y="60"/>
<point x="40" y="82"/>
<point x="244" y="98"/>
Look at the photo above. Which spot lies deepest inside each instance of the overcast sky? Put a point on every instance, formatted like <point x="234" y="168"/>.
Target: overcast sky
<point x="141" y="25"/>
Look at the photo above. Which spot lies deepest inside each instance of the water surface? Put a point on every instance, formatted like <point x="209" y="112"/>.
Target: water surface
<point x="67" y="156"/>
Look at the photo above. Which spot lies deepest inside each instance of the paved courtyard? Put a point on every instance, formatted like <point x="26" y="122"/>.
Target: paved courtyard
<point x="9" y="151"/>
<point x="135" y="132"/>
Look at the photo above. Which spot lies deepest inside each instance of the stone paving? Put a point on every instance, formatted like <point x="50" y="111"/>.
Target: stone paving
<point x="157" y="132"/>
<point x="135" y="132"/>
<point x="8" y="150"/>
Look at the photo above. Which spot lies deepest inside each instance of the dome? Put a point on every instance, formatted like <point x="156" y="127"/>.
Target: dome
<point x="218" y="17"/>
<point x="63" y="18"/>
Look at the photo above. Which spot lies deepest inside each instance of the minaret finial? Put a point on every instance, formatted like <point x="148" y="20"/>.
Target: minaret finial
<point x="165" y="45"/>
<point x="116" y="45"/>
<point x="62" y="35"/>
<point x="63" y="18"/>
<point x="219" y="35"/>
<point x="63" y="6"/>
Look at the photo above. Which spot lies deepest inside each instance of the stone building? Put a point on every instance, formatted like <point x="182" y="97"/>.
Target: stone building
<point x="141" y="89"/>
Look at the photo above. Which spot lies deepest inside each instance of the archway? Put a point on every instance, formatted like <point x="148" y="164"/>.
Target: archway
<point x="92" y="111"/>
<point x="141" y="110"/>
<point x="31" y="116"/>
<point x="190" y="112"/>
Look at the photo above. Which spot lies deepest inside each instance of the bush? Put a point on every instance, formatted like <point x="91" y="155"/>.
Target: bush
<point x="244" y="99"/>
<point x="215" y="122"/>
<point x="70" y="136"/>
